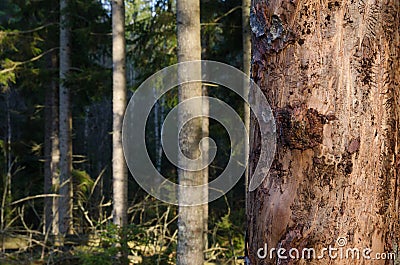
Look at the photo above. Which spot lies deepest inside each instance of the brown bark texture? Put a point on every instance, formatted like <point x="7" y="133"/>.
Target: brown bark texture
<point x="330" y="70"/>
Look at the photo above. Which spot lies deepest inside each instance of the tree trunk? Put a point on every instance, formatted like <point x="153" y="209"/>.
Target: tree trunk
<point x="158" y="119"/>
<point x="65" y="201"/>
<point x="51" y="154"/>
<point x="120" y="182"/>
<point x="246" y="36"/>
<point x="330" y="71"/>
<point x="190" y="220"/>
<point x="48" y="214"/>
<point x="246" y="40"/>
<point x="205" y="152"/>
<point x="6" y="196"/>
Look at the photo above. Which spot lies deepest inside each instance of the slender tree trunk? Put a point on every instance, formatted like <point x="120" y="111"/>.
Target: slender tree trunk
<point x="330" y="71"/>
<point x="190" y="221"/>
<point x="120" y="182"/>
<point x="162" y="116"/>
<point x="6" y="196"/>
<point x="55" y="162"/>
<point x="246" y="62"/>
<point x="51" y="154"/>
<point x="9" y="154"/>
<point x="65" y="201"/>
<point x="246" y="39"/>
<point x="48" y="214"/>
<point x="157" y="141"/>
<point x="205" y="151"/>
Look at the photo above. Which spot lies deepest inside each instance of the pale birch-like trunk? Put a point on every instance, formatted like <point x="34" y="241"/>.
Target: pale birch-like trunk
<point x="190" y="220"/>
<point x="65" y="125"/>
<point x="330" y="70"/>
<point x="120" y="181"/>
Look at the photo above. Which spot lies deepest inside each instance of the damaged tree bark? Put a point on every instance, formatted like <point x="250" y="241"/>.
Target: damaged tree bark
<point x="331" y="72"/>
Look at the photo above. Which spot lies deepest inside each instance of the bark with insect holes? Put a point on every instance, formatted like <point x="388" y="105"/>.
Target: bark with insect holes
<point x="330" y="70"/>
